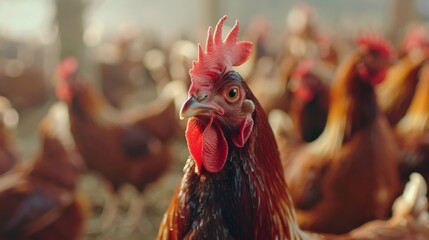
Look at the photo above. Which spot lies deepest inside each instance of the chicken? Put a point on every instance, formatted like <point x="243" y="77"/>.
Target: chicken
<point x="417" y="36"/>
<point x="395" y="93"/>
<point x="38" y="199"/>
<point x="413" y="131"/>
<point x="349" y="175"/>
<point x="223" y="191"/>
<point x="131" y="146"/>
<point x="8" y="122"/>
<point x="308" y="108"/>
<point x="232" y="185"/>
<point x="309" y="103"/>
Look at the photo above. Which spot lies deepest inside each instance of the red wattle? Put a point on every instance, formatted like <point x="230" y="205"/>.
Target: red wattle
<point x="207" y="145"/>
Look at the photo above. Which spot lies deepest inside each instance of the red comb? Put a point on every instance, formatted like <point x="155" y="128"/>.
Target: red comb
<point x="220" y="55"/>
<point x="303" y="68"/>
<point x="417" y="37"/>
<point x="66" y="71"/>
<point x="67" y="68"/>
<point x="375" y="42"/>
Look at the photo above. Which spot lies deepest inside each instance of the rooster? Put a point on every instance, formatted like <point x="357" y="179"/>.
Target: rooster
<point x="132" y="146"/>
<point x="413" y="131"/>
<point x="232" y="185"/>
<point x="38" y="200"/>
<point x="355" y="156"/>
<point x="8" y="122"/>
<point x="396" y="91"/>
<point x="223" y="191"/>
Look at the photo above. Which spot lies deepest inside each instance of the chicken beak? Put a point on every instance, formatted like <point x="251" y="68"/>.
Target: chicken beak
<point x="192" y="108"/>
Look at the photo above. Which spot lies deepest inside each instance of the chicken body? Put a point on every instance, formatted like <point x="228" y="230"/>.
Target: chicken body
<point x="413" y="131"/>
<point x="125" y="147"/>
<point x="347" y="176"/>
<point x="37" y="200"/>
<point x="309" y="102"/>
<point x="396" y="91"/>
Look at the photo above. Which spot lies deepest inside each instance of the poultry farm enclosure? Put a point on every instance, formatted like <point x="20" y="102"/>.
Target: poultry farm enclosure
<point x="336" y="80"/>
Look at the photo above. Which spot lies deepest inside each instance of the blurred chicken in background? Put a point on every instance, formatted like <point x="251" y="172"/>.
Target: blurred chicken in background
<point x="131" y="146"/>
<point x="309" y="102"/>
<point x="349" y="175"/>
<point x="38" y="198"/>
<point x="396" y="92"/>
<point x="413" y="131"/>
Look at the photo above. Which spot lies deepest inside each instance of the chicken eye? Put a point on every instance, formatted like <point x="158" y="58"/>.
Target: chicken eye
<point x="232" y="94"/>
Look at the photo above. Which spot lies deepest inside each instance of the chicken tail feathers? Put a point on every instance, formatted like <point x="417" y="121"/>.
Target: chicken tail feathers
<point x="413" y="201"/>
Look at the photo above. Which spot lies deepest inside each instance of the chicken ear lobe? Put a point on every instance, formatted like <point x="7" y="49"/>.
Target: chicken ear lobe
<point x="245" y="129"/>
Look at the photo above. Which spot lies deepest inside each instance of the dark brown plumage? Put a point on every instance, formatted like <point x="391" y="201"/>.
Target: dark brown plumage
<point x="348" y="175"/>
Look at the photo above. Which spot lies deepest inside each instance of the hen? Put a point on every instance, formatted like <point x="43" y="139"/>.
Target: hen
<point x="396" y="91"/>
<point x="355" y="156"/>
<point x="8" y="122"/>
<point x="124" y="147"/>
<point x="38" y="200"/>
<point x="232" y="185"/>
<point x="309" y="102"/>
<point x="413" y="131"/>
<point x="308" y="109"/>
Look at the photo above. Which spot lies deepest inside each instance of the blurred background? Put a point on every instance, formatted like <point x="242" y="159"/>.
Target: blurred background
<point x="130" y="49"/>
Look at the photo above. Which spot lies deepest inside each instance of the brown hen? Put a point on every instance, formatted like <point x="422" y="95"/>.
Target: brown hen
<point x="38" y="199"/>
<point x="413" y="131"/>
<point x="131" y="146"/>
<point x="349" y="175"/>
<point x="395" y="93"/>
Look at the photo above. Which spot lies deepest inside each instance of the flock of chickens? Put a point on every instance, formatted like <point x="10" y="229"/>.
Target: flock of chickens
<point x="311" y="142"/>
